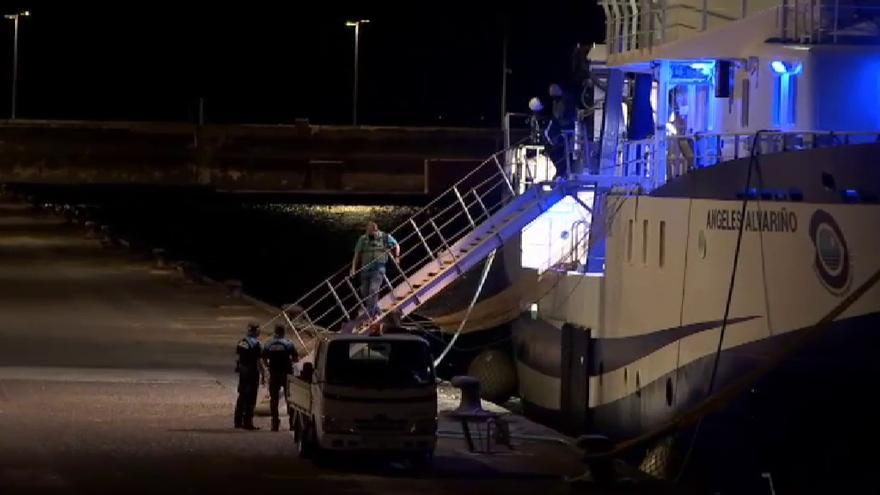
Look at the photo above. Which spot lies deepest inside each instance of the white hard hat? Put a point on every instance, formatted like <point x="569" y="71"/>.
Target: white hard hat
<point x="535" y="104"/>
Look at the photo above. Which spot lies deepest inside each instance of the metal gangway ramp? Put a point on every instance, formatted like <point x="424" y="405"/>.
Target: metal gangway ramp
<point x="439" y="243"/>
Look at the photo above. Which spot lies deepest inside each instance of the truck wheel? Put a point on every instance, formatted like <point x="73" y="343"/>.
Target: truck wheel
<point x="422" y="461"/>
<point x="296" y="426"/>
<point x="304" y="444"/>
<point x="291" y="417"/>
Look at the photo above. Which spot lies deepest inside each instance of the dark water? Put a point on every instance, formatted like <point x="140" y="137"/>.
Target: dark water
<point x="278" y="249"/>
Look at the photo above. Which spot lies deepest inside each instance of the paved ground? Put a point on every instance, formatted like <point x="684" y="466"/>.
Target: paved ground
<point x="117" y="378"/>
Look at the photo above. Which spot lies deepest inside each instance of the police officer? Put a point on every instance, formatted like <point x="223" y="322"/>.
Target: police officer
<point x="280" y="354"/>
<point x="250" y="371"/>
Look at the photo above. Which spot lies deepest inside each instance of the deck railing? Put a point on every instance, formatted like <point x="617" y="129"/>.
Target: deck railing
<point x="640" y="24"/>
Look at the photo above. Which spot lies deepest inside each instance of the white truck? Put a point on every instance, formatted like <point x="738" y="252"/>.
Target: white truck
<point x="368" y="394"/>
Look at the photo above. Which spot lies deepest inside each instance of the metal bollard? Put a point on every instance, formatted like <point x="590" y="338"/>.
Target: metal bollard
<point x="470" y="395"/>
<point x="190" y="271"/>
<point x="235" y="287"/>
<point x="106" y="238"/>
<point x="91" y="229"/>
<point x="601" y="465"/>
<point x="161" y="260"/>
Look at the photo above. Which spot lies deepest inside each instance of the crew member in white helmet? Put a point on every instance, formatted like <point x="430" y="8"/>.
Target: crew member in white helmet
<point x="537" y="121"/>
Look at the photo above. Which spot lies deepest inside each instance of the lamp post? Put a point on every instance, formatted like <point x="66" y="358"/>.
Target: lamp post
<point x="14" y="18"/>
<point x="354" y="97"/>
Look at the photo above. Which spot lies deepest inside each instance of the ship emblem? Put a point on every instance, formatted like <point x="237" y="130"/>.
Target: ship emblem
<point x="832" y="257"/>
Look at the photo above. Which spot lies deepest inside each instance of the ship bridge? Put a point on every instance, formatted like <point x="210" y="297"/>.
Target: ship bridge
<point x="689" y="83"/>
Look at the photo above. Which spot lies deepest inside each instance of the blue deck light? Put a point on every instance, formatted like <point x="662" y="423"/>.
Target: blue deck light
<point x="786" y="69"/>
<point x="704" y="67"/>
<point x="778" y="67"/>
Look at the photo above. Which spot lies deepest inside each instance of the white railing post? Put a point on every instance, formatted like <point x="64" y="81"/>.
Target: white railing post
<point x="836" y="20"/>
<point x="480" y="202"/>
<point x="424" y="242"/>
<point x="704" y="24"/>
<point x="504" y="175"/>
<point x="402" y="273"/>
<point x="634" y="28"/>
<point x="295" y="331"/>
<point x="356" y="295"/>
<point x="338" y="301"/>
<point x="813" y="27"/>
<point x="443" y="240"/>
<point x="663" y="21"/>
<point x="464" y="206"/>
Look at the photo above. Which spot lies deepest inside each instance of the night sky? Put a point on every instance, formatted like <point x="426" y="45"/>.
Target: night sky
<point x="422" y="63"/>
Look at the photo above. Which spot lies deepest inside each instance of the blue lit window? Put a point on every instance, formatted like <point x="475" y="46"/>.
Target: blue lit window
<point x="785" y="92"/>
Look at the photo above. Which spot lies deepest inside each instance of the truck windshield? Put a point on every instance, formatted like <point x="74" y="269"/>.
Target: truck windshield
<point x="381" y="364"/>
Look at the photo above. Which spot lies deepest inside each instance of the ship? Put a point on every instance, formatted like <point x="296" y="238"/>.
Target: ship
<point x="723" y="324"/>
<point x="702" y="290"/>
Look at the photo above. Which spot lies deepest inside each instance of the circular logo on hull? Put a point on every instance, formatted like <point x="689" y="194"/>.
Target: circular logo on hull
<point x="832" y="256"/>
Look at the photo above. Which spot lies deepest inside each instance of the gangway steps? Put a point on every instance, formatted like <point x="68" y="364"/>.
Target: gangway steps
<point x="472" y="248"/>
<point x="439" y="243"/>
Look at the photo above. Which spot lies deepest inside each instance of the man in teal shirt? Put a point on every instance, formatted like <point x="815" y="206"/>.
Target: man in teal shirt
<point x="370" y="255"/>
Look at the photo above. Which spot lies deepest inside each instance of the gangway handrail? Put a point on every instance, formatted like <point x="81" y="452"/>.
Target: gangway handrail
<point x="495" y="172"/>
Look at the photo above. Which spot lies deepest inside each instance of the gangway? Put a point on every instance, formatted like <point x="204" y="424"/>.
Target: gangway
<point x="439" y="243"/>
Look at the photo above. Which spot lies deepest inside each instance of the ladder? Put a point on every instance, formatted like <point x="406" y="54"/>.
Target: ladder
<point x="439" y="243"/>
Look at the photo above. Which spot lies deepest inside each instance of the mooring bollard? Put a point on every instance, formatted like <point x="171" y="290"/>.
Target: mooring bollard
<point x="106" y="238"/>
<point x="190" y="271"/>
<point x="470" y="411"/>
<point x="470" y="395"/>
<point x="69" y="213"/>
<point x="596" y="450"/>
<point x="235" y="287"/>
<point x="91" y="229"/>
<point x="161" y="260"/>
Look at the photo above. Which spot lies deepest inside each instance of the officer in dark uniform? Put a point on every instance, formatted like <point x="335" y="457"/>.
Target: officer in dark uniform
<point x="250" y="371"/>
<point x="280" y="354"/>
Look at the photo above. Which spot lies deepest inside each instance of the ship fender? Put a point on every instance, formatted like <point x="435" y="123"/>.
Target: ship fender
<point x="538" y="357"/>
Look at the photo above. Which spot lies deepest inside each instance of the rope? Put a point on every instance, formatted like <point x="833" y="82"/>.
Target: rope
<point x="753" y="163"/>
<point x="486" y="266"/>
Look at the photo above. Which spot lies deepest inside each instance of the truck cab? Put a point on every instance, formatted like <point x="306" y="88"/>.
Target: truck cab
<point x="363" y="393"/>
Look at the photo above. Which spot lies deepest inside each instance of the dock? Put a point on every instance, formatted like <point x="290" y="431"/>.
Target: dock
<point x="116" y="376"/>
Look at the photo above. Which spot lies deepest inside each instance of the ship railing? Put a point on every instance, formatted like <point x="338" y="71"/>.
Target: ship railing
<point x="632" y="25"/>
<point x="828" y="21"/>
<point x="687" y="153"/>
<point x="424" y="237"/>
<point x="635" y="158"/>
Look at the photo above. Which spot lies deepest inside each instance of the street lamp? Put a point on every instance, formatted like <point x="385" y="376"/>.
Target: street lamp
<point x="14" y="18"/>
<point x="357" y="34"/>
